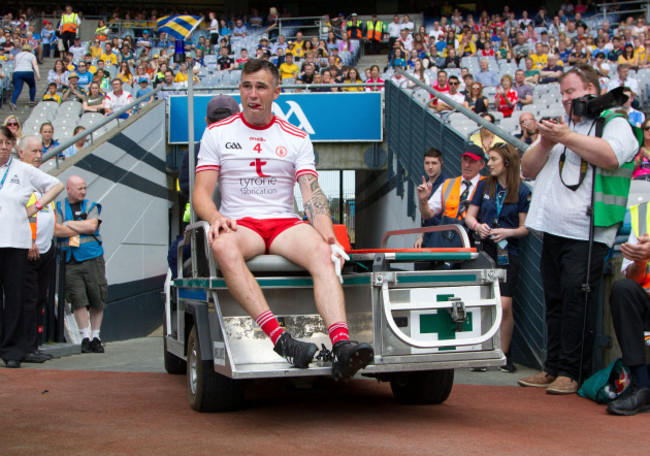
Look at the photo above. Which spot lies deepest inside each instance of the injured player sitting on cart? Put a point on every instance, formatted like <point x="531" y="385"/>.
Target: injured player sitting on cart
<point x="256" y="158"/>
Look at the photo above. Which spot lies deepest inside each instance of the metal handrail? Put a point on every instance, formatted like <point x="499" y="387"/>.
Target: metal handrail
<point x="646" y="10"/>
<point x="115" y="115"/>
<point x="516" y="142"/>
<point x="316" y="20"/>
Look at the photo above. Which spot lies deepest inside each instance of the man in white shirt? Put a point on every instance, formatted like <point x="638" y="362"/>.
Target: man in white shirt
<point x="18" y="181"/>
<point x="394" y="29"/>
<point x="436" y="32"/>
<point x="280" y="44"/>
<point x="41" y="256"/>
<point x="406" y="39"/>
<point x="624" y="79"/>
<point x="78" y="51"/>
<point x="117" y="99"/>
<point x="440" y="106"/>
<point x="214" y="29"/>
<point x="563" y="162"/>
<point x="256" y="158"/>
<point x="407" y="23"/>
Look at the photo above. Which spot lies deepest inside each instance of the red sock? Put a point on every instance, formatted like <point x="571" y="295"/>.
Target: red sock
<point x="339" y="331"/>
<point x="270" y="325"/>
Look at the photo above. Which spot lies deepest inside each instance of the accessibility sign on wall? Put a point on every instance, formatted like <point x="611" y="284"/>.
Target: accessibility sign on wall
<point x="327" y="117"/>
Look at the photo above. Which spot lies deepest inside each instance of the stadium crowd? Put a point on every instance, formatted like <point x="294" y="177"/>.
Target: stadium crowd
<point x="506" y="54"/>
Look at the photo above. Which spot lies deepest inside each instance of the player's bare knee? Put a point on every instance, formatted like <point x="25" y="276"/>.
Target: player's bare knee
<point x="225" y="252"/>
<point x="321" y="259"/>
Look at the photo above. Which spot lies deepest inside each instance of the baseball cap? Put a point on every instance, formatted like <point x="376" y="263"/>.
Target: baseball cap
<point x="143" y="79"/>
<point x="145" y="31"/>
<point x="474" y="152"/>
<point x="46" y="22"/>
<point x="222" y="106"/>
<point x="353" y="14"/>
<point x="73" y="75"/>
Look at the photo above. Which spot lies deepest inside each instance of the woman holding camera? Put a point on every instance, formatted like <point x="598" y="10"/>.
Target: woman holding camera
<point x="497" y="214"/>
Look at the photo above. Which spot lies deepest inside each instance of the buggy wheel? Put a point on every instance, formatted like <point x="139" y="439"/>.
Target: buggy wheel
<point x="426" y="387"/>
<point x="209" y="391"/>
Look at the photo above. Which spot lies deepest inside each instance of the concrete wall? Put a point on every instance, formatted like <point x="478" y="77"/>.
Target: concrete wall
<point x="125" y="173"/>
<point x="379" y="208"/>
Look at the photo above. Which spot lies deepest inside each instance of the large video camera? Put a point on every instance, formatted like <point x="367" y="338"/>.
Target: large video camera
<point x="590" y="106"/>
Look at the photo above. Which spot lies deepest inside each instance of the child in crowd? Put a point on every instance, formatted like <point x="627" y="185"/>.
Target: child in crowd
<point x="51" y="94"/>
<point x="143" y="90"/>
<point x="239" y="63"/>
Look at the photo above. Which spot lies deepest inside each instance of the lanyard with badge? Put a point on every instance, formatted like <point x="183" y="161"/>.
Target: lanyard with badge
<point x="4" y="178"/>
<point x="502" y="245"/>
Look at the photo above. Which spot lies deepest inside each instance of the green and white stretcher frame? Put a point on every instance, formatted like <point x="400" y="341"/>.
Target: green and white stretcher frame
<point x="416" y="320"/>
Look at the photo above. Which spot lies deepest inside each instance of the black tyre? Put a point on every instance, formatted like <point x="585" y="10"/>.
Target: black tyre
<point x="207" y="390"/>
<point x="173" y="364"/>
<point x="427" y="387"/>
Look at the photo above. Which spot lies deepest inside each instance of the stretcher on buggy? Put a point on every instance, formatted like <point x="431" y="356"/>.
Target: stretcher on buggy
<point x="422" y="322"/>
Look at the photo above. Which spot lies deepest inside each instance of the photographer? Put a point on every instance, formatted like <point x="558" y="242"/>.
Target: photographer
<point x="563" y="162"/>
<point x="77" y="227"/>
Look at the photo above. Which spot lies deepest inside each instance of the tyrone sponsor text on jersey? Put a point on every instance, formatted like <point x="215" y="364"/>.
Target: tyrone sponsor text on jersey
<point x="258" y="185"/>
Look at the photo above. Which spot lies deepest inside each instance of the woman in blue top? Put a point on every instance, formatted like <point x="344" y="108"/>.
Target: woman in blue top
<point x="497" y="214"/>
<point x="397" y="60"/>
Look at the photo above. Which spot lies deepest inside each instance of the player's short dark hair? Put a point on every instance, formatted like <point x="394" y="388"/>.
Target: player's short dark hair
<point x="433" y="153"/>
<point x="255" y="65"/>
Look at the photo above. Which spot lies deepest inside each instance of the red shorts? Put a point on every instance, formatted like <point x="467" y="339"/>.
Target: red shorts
<point x="268" y="229"/>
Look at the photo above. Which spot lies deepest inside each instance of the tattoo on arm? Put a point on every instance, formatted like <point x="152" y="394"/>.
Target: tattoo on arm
<point x="315" y="200"/>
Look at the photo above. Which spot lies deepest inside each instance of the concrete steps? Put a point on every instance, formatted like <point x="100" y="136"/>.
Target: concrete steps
<point x="22" y="104"/>
<point x="369" y="60"/>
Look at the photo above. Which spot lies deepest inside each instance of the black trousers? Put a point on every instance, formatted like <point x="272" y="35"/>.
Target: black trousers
<point x="630" y="305"/>
<point x="13" y="264"/>
<point x="37" y="282"/>
<point x="68" y="39"/>
<point x="564" y="271"/>
<point x="374" y="47"/>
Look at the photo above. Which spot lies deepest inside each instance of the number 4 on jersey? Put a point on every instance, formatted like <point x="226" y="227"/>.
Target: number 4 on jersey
<point x="258" y="148"/>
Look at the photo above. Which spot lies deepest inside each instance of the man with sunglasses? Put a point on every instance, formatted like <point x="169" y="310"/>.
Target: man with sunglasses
<point x="440" y="106"/>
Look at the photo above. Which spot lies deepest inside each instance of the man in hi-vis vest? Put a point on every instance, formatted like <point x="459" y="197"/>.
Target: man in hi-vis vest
<point x="69" y="27"/>
<point x="451" y="199"/>
<point x="630" y="304"/>
<point x="575" y="154"/>
<point x="77" y="227"/>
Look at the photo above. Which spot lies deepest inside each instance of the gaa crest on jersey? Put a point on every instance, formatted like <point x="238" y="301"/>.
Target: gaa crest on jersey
<point x="281" y="151"/>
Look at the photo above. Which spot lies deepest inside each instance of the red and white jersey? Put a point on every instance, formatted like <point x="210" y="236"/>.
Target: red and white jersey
<point x="258" y="166"/>
<point x="115" y="102"/>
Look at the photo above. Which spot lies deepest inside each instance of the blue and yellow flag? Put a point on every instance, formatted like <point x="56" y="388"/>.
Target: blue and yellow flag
<point x="180" y="26"/>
